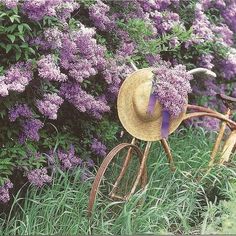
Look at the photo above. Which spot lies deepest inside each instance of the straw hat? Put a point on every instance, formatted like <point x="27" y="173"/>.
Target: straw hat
<point x="132" y="105"/>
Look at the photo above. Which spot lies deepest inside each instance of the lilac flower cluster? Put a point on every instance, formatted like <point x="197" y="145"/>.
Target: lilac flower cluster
<point x="81" y="55"/>
<point x="20" y="110"/>
<point x="98" y="148"/>
<point x="30" y="129"/>
<point x="98" y="14"/>
<point x="48" y="69"/>
<point x="49" y="105"/>
<point x="113" y="76"/>
<point x="3" y="87"/>
<point x="51" y="38"/>
<point x="16" y="78"/>
<point x="39" y="177"/>
<point x="164" y="21"/>
<point x="229" y="14"/>
<point x="83" y="101"/>
<point x="228" y="65"/>
<point x="4" y="192"/>
<point x="36" y="10"/>
<point x="29" y="125"/>
<point x="206" y="61"/>
<point x="171" y="86"/>
<point x="9" y="3"/>
<point x="68" y="159"/>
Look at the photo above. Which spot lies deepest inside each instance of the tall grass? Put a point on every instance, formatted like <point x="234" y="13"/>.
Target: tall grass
<point x="173" y="202"/>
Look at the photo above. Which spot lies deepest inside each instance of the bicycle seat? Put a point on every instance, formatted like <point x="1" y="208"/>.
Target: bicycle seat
<point x="229" y="102"/>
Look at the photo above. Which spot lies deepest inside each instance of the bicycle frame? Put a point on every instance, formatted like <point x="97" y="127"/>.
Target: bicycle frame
<point x="141" y="178"/>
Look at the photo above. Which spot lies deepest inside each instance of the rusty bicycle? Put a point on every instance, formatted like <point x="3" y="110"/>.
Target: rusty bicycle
<point x="126" y="153"/>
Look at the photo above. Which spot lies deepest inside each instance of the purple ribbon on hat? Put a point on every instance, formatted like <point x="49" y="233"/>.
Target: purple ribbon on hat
<point x="165" y="115"/>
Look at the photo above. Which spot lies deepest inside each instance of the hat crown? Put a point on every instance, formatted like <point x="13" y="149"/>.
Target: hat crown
<point x="140" y="102"/>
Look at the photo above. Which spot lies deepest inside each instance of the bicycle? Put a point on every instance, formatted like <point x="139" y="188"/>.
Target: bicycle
<point x="133" y="150"/>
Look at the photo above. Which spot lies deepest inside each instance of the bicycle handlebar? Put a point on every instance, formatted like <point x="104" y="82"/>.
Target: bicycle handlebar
<point x="192" y="72"/>
<point x="202" y="70"/>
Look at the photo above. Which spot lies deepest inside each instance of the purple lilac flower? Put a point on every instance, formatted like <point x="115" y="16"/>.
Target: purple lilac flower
<point x="81" y="55"/>
<point x="17" y="77"/>
<point x="86" y="175"/>
<point x="9" y="3"/>
<point x="209" y="123"/>
<point x="98" y="148"/>
<point x="83" y="101"/>
<point x="171" y="86"/>
<point x="229" y="14"/>
<point x="90" y="163"/>
<point x="127" y="49"/>
<point x="228" y="65"/>
<point x="65" y="9"/>
<point x="30" y="129"/>
<point x="68" y="159"/>
<point x="3" y="87"/>
<point x="48" y="69"/>
<point x="49" y="105"/>
<point x="164" y="21"/>
<point x="153" y="59"/>
<point x="19" y="110"/>
<point x="205" y="61"/>
<point x="39" y="177"/>
<point x="224" y="34"/>
<point x="174" y="42"/>
<point x="53" y="37"/>
<point x="98" y="14"/>
<point x="113" y="75"/>
<point x="202" y="26"/>
<point x="4" y="192"/>
<point x="36" y="9"/>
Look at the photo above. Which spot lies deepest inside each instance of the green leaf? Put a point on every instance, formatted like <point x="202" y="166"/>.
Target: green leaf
<point x="11" y="28"/>
<point x="2" y="15"/>
<point x="32" y="51"/>
<point x="21" y="37"/>
<point x="14" y="18"/>
<point x="21" y="28"/>
<point x="26" y="26"/>
<point x="11" y="37"/>
<point x="8" y="48"/>
<point x="18" y="55"/>
<point x="2" y="45"/>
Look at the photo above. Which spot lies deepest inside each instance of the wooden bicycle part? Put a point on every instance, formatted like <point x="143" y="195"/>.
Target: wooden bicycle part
<point x="211" y="114"/>
<point x="228" y="147"/>
<point x="142" y="170"/>
<point x="123" y="170"/>
<point x="203" y="109"/>
<point x="166" y="147"/>
<point x="103" y="168"/>
<point x="219" y="139"/>
<point x="230" y="142"/>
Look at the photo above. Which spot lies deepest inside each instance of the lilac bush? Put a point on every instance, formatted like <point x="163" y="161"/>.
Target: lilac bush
<point x="62" y="64"/>
<point x="171" y="87"/>
<point x="39" y="177"/>
<point x="4" y="191"/>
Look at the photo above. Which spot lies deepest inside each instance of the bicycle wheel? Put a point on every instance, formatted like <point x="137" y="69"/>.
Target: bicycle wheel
<point x="118" y="173"/>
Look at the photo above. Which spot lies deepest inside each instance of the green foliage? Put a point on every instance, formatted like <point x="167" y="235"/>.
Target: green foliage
<point x="173" y="202"/>
<point x="86" y="3"/>
<point x="14" y="35"/>
<point x="139" y="31"/>
<point x="136" y="28"/>
<point x="223" y="219"/>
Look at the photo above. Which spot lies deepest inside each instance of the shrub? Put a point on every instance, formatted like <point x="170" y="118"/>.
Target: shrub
<point x="62" y="63"/>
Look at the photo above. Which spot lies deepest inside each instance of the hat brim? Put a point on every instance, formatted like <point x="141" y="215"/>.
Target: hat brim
<point x="143" y="130"/>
